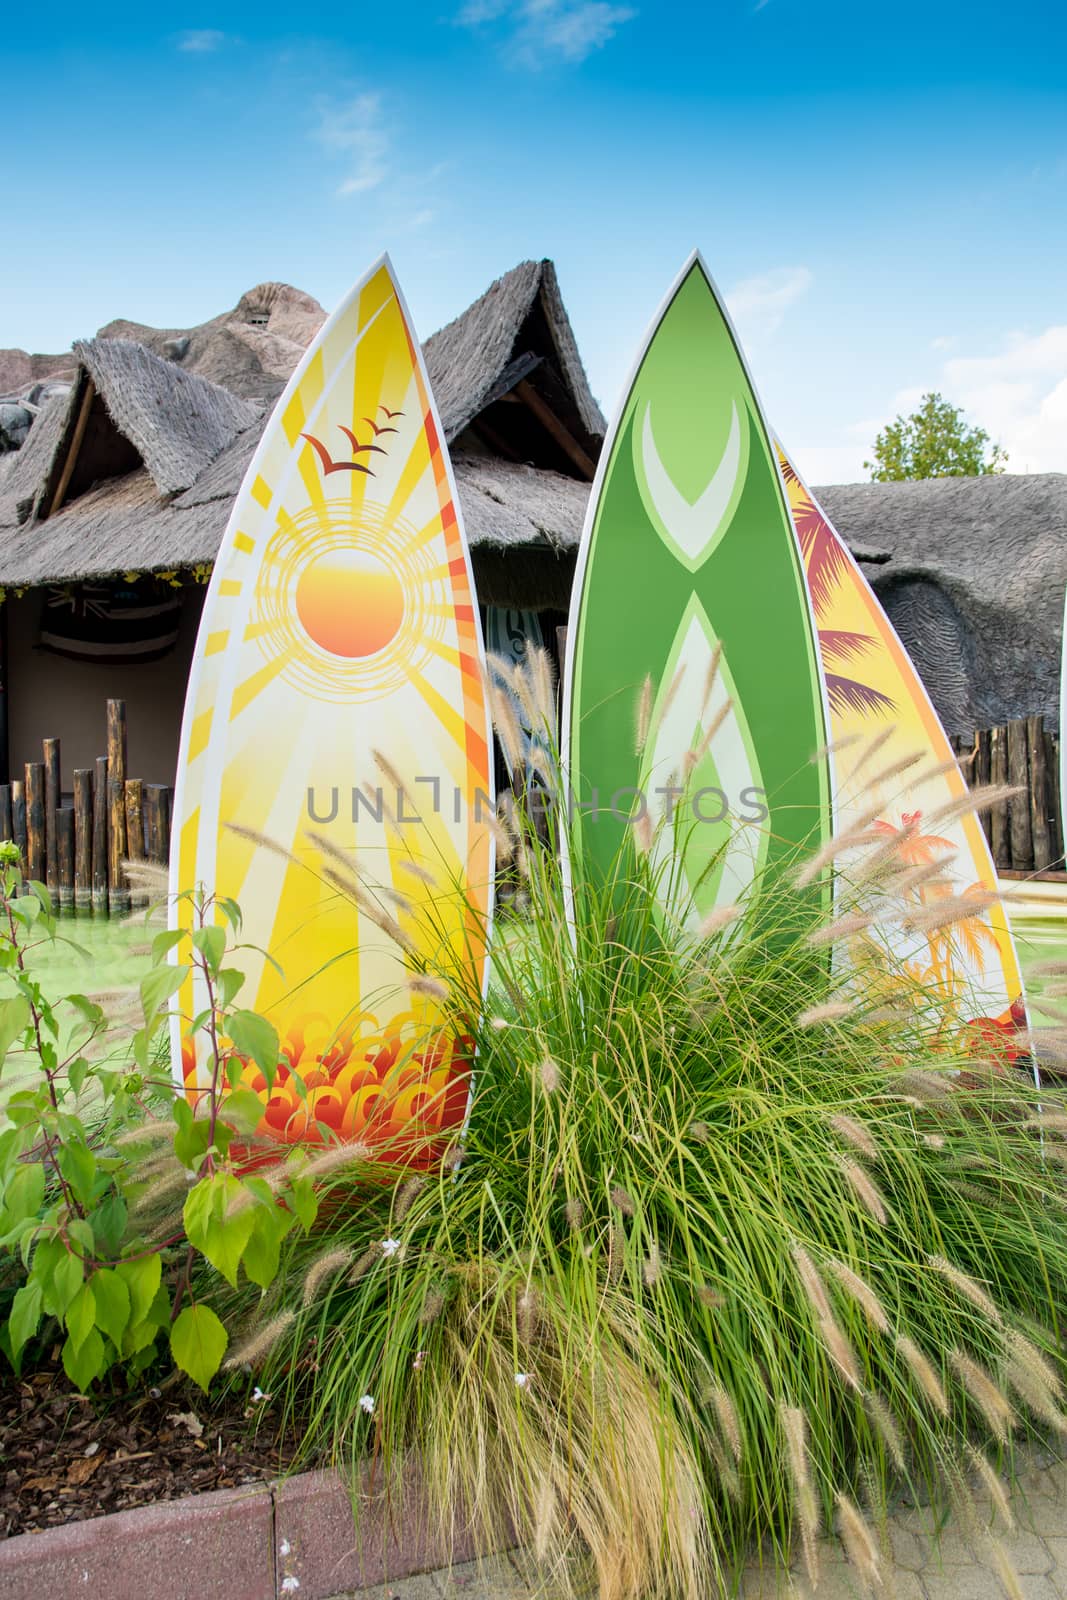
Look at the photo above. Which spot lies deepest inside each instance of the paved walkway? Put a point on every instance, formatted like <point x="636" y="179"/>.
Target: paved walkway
<point x="914" y="1568"/>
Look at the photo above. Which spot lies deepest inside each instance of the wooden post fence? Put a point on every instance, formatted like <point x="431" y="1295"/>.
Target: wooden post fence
<point x="1025" y="833"/>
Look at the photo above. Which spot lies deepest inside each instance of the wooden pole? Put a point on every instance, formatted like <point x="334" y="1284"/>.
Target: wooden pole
<point x="158" y="801"/>
<point x="65" y="853"/>
<point x="1039" y="828"/>
<point x="52" y="793"/>
<point x="135" y="819"/>
<point x="151" y="820"/>
<point x="1055" y="799"/>
<point x="18" y="816"/>
<point x="166" y="809"/>
<point x="83" y="839"/>
<point x="998" y="816"/>
<point x="73" y="448"/>
<point x="100" y="836"/>
<point x="981" y="776"/>
<point x="118" y="890"/>
<point x="119" y="898"/>
<point x="1022" y="842"/>
<point x="6" y="831"/>
<point x="35" y="840"/>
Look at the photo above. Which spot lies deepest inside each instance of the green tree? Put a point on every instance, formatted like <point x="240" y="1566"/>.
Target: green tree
<point x="933" y="442"/>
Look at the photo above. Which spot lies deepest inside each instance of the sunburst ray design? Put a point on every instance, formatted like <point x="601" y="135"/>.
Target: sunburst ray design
<point x="341" y="621"/>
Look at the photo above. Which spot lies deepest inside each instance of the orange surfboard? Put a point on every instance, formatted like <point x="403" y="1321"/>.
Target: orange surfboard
<point x="872" y="688"/>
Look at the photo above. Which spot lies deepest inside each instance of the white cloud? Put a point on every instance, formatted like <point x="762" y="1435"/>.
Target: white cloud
<point x="758" y="304"/>
<point x="539" y="31"/>
<point x="201" y="41"/>
<point x="1019" y="396"/>
<point x="352" y="130"/>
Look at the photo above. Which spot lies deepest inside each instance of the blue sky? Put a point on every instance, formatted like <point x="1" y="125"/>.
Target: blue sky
<point x="881" y="192"/>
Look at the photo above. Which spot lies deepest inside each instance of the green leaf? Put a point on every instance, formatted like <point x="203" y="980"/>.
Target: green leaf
<point x="80" y="1232"/>
<point x="231" y="911"/>
<point x="14" y="1020"/>
<point x="24" y="1193"/>
<point x="165" y="942"/>
<point x="198" y="1343"/>
<point x="81" y="1316"/>
<point x="138" y="1338"/>
<point x="82" y="1363"/>
<point x="109" y="1223"/>
<point x="263" y="1250"/>
<point x="254" y="1038"/>
<point x="63" y="1282"/>
<point x="112" y="1304"/>
<point x="77" y="1163"/>
<point x="211" y="944"/>
<point x="157" y="987"/>
<point x="230" y="982"/>
<point x="142" y="1278"/>
<point x="40" y="890"/>
<point x="190" y="1144"/>
<point x="244" y="1109"/>
<point x="304" y="1201"/>
<point x="88" y="1010"/>
<point x="77" y="1073"/>
<point x="25" y="1317"/>
<point x="213" y="1225"/>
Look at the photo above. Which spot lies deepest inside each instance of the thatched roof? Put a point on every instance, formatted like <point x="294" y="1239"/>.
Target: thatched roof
<point x="137" y="466"/>
<point x="177" y="422"/>
<point x="974" y="585"/>
<point x="467" y="359"/>
<point x="121" y="525"/>
<point x="126" y="410"/>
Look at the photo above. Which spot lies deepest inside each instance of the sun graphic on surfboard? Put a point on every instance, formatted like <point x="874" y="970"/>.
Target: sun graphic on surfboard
<point x="341" y="626"/>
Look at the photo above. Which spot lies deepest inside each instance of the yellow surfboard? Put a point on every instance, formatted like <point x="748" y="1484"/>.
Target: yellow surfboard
<point x="873" y="690"/>
<point x="336" y="712"/>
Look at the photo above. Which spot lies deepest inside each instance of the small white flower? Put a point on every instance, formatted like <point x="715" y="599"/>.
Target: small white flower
<point x="419" y="1361"/>
<point x="390" y="1247"/>
<point x="366" y="1402"/>
<point x="258" y="1395"/>
<point x="523" y="1380"/>
<point x="290" y="1585"/>
<point x="498" y="1024"/>
<point x="284" y="1548"/>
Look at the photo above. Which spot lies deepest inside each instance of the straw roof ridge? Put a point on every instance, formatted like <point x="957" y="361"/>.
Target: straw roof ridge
<point x="466" y="358"/>
<point x="178" y="421"/>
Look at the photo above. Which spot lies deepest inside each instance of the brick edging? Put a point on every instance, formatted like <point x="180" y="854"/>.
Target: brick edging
<point x="272" y="1541"/>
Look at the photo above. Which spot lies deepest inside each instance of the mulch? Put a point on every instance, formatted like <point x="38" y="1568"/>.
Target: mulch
<point x="65" y="1458"/>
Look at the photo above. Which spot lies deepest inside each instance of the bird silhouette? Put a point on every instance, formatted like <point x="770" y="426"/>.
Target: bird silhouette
<point x="390" y="414"/>
<point x="378" y="430"/>
<point x="328" y="463"/>
<point x="354" y="442"/>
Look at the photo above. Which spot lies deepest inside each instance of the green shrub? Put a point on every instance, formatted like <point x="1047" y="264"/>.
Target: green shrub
<point x="731" y="1249"/>
<point x="114" y="1187"/>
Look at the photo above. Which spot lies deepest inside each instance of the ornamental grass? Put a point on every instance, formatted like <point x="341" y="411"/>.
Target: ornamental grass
<point x="744" y="1237"/>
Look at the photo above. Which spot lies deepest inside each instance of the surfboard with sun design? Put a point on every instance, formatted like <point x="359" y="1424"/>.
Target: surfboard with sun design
<point x="876" y="697"/>
<point x="334" y="775"/>
<point x="689" y="574"/>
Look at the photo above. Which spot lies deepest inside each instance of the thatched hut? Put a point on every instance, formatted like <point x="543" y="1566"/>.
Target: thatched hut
<point x="112" y="512"/>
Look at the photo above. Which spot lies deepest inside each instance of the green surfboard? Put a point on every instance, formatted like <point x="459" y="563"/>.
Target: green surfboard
<point x="689" y="574"/>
